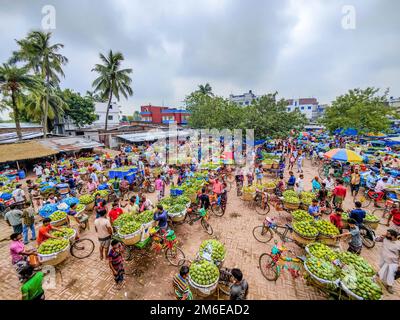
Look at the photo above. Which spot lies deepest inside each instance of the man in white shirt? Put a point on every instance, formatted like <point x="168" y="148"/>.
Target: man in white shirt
<point x="94" y="177"/>
<point x="38" y="169"/>
<point x="379" y="189"/>
<point x="18" y="194"/>
<point x="329" y="183"/>
<point x="97" y="166"/>
<point x="300" y="184"/>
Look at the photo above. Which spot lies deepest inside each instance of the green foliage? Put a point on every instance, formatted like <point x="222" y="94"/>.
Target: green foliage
<point x="80" y="109"/>
<point x="266" y="116"/>
<point x="363" y="110"/>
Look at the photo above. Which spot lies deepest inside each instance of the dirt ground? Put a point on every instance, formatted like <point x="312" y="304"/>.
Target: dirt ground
<point x="91" y="279"/>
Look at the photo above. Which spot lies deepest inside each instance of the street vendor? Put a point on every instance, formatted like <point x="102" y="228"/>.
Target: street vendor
<point x="91" y="185"/>
<point x="145" y="204"/>
<point x="313" y="209"/>
<point x="161" y="216"/>
<point x="44" y="231"/>
<point x="19" y="194"/>
<point x="181" y="285"/>
<point x="18" y="252"/>
<point x="355" y="244"/>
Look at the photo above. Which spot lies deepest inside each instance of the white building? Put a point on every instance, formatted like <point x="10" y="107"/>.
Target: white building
<point x="244" y="99"/>
<point x="308" y="106"/>
<point x="394" y="102"/>
<point x="114" y="114"/>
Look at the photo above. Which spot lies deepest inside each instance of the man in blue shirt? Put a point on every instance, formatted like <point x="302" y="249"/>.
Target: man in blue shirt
<point x="313" y="209"/>
<point x="162" y="217"/>
<point x="358" y="214"/>
<point x="291" y="181"/>
<point x="371" y="180"/>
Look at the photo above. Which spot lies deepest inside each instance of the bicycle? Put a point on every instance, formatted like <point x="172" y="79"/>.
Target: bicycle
<point x="239" y="188"/>
<point x="366" y="197"/>
<point x="166" y="240"/>
<point x="218" y="205"/>
<point x="265" y="232"/>
<point x="194" y="215"/>
<point x="81" y="248"/>
<point x="272" y="264"/>
<point x="389" y="205"/>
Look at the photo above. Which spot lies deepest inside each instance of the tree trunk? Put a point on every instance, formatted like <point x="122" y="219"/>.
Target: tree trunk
<point x="108" y="110"/>
<point x="16" y="117"/>
<point x="46" y="110"/>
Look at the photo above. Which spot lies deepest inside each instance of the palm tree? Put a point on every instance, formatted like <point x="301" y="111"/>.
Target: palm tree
<point x="205" y="89"/>
<point x="112" y="80"/>
<point x="13" y="81"/>
<point x="43" y="59"/>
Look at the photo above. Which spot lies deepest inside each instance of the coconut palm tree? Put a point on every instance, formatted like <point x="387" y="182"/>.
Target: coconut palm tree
<point x="112" y="80"/>
<point x="205" y="89"/>
<point x="13" y="82"/>
<point x="43" y="59"/>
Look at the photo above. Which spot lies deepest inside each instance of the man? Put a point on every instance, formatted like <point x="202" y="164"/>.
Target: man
<point x="104" y="232"/>
<point x="159" y="184"/>
<point x="18" y="252"/>
<point x="355" y="244"/>
<point x="19" y="194"/>
<point x="91" y="186"/>
<point x="141" y="167"/>
<point x="124" y="185"/>
<point x="259" y="174"/>
<point x="389" y="259"/>
<point x="204" y="199"/>
<point x="14" y="218"/>
<point x="380" y="190"/>
<point x="115" y="212"/>
<point x="336" y="219"/>
<point x="292" y="181"/>
<point x="94" y="177"/>
<point x="240" y="287"/>
<point x="161" y="216"/>
<point x="313" y="209"/>
<point x="217" y="186"/>
<point x="181" y="285"/>
<point x="97" y="165"/>
<point x="329" y="183"/>
<point x="371" y="180"/>
<point x="355" y="182"/>
<point x="44" y="231"/>
<point x="300" y="163"/>
<point x="145" y="204"/>
<point x="358" y="214"/>
<point x="339" y="194"/>
<point x="38" y="170"/>
<point x="300" y="184"/>
<point x="28" y="222"/>
<point x="32" y="288"/>
<point x="116" y="262"/>
<point x="394" y="216"/>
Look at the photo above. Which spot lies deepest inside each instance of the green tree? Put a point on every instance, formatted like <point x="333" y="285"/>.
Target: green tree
<point x="13" y="82"/>
<point x="81" y="110"/>
<point x="45" y="60"/>
<point x="364" y="110"/>
<point x="136" y="116"/>
<point x="205" y="89"/>
<point x="112" y="80"/>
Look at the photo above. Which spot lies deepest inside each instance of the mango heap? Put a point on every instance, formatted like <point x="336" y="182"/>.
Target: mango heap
<point x="204" y="272"/>
<point x="359" y="264"/>
<point x="307" y="197"/>
<point x="123" y="219"/>
<point x="290" y="196"/>
<point x="80" y="207"/>
<point x="371" y="218"/>
<point x="65" y="233"/>
<point x="250" y="189"/>
<point x="326" y="228"/>
<point x="169" y="202"/>
<point x="361" y="285"/>
<point x="52" y="246"/>
<point x="270" y="185"/>
<point x="301" y="215"/>
<point x="58" y="215"/>
<point x="305" y="229"/>
<point x="322" y="269"/>
<point x="345" y="216"/>
<point x="322" y="251"/>
<point x="86" y="199"/>
<point x="129" y="228"/>
<point x="102" y="193"/>
<point x="218" y="249"/>
<point x="145" y="217"/>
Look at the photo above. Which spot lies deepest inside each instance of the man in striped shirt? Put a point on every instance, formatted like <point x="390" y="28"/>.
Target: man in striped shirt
<point x="181" y="285"/>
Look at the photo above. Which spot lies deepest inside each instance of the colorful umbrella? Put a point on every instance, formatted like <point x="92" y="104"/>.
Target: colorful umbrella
<point x="343" y="155"/>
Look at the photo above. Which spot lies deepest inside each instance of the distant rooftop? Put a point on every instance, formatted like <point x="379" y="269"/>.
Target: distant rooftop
<point x="11" y="125"/>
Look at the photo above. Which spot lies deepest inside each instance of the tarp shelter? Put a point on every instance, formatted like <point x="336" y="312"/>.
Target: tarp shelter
<point x="346" y="132"/>
<point x="395" y="141"/>
<point x="24" y="151"/>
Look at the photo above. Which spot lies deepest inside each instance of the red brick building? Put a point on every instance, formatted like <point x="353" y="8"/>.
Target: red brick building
<point x="155" y="114"/>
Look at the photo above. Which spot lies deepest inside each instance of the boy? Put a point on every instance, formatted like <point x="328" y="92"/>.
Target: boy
<point x="336" y="219"/>
<point x="116" y="263"/>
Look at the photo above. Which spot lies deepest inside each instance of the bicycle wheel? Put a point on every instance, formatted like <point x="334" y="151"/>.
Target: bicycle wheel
<point x="217" y="210"/>
<point x="82" y="248"/>
<point x="262" y="234"/>
<point x="174" y="255"/>
<point x="263" y="209"/>
<point x="207" y="227"/>
<point x="268" y="267"/>
<point x="151" y="189"/>
<point x="321" y="173"/>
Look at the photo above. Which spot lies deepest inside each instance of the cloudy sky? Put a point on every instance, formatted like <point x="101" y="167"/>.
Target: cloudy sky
<point x="298" y="48"/>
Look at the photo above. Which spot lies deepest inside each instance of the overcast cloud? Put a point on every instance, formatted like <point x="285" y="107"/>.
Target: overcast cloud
<point x="297" y="47"/>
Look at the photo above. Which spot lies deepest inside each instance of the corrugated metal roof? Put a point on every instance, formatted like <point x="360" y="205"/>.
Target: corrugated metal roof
<point x="11" y="137"/>
<point x="151" y="135"/>
<point x="70" y="144"/>
<point x="11" y="125"/>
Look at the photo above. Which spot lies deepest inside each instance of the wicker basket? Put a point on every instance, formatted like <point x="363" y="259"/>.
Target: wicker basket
<point x="179" y="216"/>
<point x="328" y="240"/>
<point x="248" y="196"/>
<point x="303" y="206"/>
<point x="291" y="206"/>
<point x="202" y="290"/>
<point x="193" y="197"/>
<point x="54" y="258"/>
<point x="269" y="190"/>
<point x="275" y="166"/>
<point x="301" y="239"/>
<point x="59" y="223"/>
<point x="131" y="239"/>
<point x="90" y="206"/>
<point x="322" y="282"/>
<point x="267" y="165"/>
<point x="372" y="225"/>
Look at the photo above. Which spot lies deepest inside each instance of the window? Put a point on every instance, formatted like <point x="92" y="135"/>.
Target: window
<point x="247" y="103"/>
<point x="309" y="107"/>
<point x="97" y="117"/>
<point x="295" y="103"/>
<point x="110" y="106"/>
<point x="110" y="117"/>
<point x="288" y="109"/>
<point x="302" y="108"/>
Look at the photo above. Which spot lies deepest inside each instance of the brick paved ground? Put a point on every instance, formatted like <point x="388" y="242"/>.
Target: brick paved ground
<point x="92" y="279"/>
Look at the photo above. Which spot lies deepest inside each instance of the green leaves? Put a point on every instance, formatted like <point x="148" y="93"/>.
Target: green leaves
<point x="362" y="110"/>
<point x="81" y="109"/>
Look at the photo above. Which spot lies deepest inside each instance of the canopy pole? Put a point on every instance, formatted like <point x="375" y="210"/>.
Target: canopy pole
<point x="17" y="165"/>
